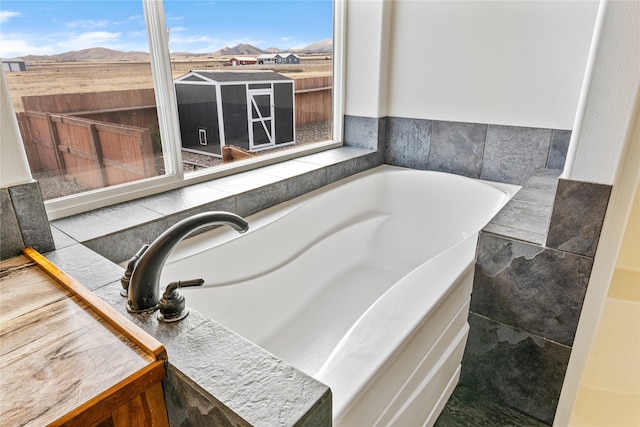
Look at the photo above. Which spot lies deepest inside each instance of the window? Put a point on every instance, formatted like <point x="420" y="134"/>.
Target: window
<point x="181" y="37"/>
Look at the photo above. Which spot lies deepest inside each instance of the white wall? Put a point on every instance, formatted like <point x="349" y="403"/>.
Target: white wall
<point x="629" y="256"/>
<point x="14" y="168"/>
<point x="366" y="50"/>
<point x="608" y="96"/>
<point x="501" y="62"/>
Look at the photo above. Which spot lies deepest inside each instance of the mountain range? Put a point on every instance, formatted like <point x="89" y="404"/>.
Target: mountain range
<point x="101" y="53"/>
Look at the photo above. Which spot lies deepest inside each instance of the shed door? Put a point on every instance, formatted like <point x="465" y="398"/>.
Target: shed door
<point x="261" y="112"/>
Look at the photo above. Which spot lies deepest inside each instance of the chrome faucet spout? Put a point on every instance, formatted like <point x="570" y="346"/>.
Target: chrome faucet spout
<point x="144" y="286"/>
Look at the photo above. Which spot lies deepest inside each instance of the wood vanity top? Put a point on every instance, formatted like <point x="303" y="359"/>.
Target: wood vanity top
<point x="63" y="350"/>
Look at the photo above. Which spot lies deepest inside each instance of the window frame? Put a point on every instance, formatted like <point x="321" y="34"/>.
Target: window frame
<point x="158" y="38"/>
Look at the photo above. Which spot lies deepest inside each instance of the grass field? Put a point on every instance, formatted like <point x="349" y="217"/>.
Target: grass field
<point x="78" y="77"/>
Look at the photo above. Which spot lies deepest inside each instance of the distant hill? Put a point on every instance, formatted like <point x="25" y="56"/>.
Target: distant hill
<point x="104" y="54"/>
<point x="188" y="54"/>
<point x="241" y="49"/>
<point x="273" y="50"/>
<point x="323" y="46"/>
<point x="93" y="54"/>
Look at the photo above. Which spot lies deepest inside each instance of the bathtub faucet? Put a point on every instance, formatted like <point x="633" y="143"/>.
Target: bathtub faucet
<point x="144" y="284"/>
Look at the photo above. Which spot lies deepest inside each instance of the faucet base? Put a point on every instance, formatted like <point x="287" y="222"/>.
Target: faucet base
<point x="184" y="313"/>
<point x="142" y="311"/>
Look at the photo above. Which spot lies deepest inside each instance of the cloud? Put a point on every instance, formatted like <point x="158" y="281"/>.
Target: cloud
<point x="88" y="24"/>
<point x="6" y="15"/>
<point x="90" y="39"/>
<point x="15" y="45"/>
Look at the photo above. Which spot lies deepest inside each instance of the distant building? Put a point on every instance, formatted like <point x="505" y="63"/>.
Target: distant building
<point x="13" y="64"/>
<point x="242" y="60"/>
<point x="278" y="58"/>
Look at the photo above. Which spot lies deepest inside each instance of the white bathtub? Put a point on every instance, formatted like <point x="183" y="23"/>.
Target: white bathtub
<point x="363" y="285"/>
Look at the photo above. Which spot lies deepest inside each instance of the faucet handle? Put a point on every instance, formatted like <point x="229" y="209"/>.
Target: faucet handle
<point x="172" y="306"/>
<point x="126" y="277"/>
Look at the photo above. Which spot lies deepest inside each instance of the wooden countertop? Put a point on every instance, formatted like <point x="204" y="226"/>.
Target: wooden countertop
<point x="62" y="350"/>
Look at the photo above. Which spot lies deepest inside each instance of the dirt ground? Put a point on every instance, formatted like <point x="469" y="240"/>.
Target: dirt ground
<point x="74" y="77"/>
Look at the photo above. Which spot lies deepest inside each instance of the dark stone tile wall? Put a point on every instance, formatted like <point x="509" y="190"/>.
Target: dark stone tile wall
<point x="364" y="132"/>
<point x="530" y="287"/>
<point x="470" y="408"/>
<point x="527" y="215"/>
<point x="512" y="154"/>
<point x="408" y="143"/>
<point x="23" y="220"/>
<point x="508" y="154"/>
<point x="558" y="150"/>
<point x="578" y="215"/>
<point x="513" y="367"/>
<point x="457" y="148"/>
<point x="527" y="296"/>
<point x="11" y="242"/>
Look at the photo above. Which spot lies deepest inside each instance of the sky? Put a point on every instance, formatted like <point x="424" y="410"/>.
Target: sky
<point x="48" y="27"/>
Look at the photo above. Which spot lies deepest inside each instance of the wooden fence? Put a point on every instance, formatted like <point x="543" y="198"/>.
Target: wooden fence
<point x="90" y="153"/>
<point x="77" y="103"/>
<point x="313" y="99"/>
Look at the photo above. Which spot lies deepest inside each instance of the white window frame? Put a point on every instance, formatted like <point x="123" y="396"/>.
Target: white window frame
<point x="158" y="36"/>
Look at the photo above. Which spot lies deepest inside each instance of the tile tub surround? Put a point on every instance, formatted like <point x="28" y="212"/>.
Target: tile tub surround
<point x="508" y="154"/>
<point x="546" y="301"/>
<point x="578" y="215"/>
<point x="467" y="407"/>
<point x="527" y="295"/>
<point x="531" y="368"/>
<point x="23" y="220"/>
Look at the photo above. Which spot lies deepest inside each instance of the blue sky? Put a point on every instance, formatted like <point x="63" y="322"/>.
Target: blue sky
<point x="36" y="27"/>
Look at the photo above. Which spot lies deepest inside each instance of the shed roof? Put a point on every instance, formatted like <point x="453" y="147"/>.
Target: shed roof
<point x="237" y="76"/>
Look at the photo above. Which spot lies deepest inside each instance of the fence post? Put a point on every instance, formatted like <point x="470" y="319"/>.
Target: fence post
<point x="55" y="141"/>
<point x="148" y="155"/>
<point x="33" y="156"/>
<point x="96" y="149"/>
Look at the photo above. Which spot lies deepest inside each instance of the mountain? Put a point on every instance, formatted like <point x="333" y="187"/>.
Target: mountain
<point x="240" y="49"/>
<point x="92" y="54"/>
<point x="188" y="54"/>
<point x="104" y="54"/>
<point x="323" y="46"/>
